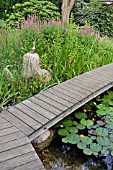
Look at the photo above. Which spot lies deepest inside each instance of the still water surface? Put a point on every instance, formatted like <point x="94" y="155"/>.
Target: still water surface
<point x="60" y="156"/>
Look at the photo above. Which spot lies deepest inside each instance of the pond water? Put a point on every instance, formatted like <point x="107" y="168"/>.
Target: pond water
<point x="60" y="156"/>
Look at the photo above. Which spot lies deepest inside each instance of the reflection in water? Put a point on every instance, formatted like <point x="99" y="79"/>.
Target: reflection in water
<point x="60" y="156"/>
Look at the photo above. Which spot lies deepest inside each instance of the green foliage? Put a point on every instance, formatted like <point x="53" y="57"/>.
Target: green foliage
<point x="93" y="136"/>
<point x="98" y="16"/>
<point x="65" y="53"/>
<point x="41" y="9"/>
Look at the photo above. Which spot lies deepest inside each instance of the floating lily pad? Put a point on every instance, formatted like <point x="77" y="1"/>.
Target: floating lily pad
<point x="72" y="129"/>
<point x="87" y="140"/>
<point x="81" y="145"/>
<point x="73" y="138"/>
<point x="67" y="122"/>
<point x="63" y="132"/>
<point x="87" y="151"/>
<point x="103" y="141"/>
<point x="80" y="126"/>
<point x="104" y="151"/>
<point x="87" y="123"/>
<point x="95" y="147"/>
<point x="80" y="115"/>
<point x="102" y="131"/>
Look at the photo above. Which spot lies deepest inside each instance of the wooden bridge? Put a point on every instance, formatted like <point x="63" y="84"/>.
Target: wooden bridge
<point x="24" y="122"/>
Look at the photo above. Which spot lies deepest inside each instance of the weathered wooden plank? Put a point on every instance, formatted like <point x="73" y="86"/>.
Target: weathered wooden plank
<point x="25" y="118"/>
<point x="38" y="109"/>
<point x="13" y="144"/>
<point x="2" y="120"/>
<point x="12" y="136"/>
<point x="35" y="115"/>
<point x="83" y="83"/>
<point x="17" y="122"/>
<point x="8" y="131"/>
<point x="60" y="94"/>
<point x="35" y="107"/>
<point x="19" y="160"/>
<point x="46" y="106"/>
<point x="70" y="94"/>
<point x="57" y="99"/>
<point x="72" y="91"/>
<point x="77" y="88"/>
<point x="90" y="80"/>
<point x="5" y="125"/>
<point x="31" y="165"/>
<point x="51" y="102"/>
<point x="15" y="152"/>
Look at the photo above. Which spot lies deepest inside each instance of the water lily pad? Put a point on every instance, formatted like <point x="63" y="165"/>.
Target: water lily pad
<point x="80" y="126"/>
<point x="81" y="145"/>
<point x="95" y="147"/>
<point x="80" y="115"/>
<point x="65" y="140"/>
<point x="67" y="122"/>
<point x="72" y="129"/>
<point x="73" y="138"/>
<point x="83" y="122"/>
<point x="87" y="140"/>
<point x="104" y="151"/>
<point x="63" y="132"/>
<point x="101" y="112"/>
<point x="87" y="151"/>
<point x="90" y="122"/>
<point x="103" y="141"/>
<point x="75" y="122"/>
<point x="101" y="106"/>
<point x="102" y="131"/>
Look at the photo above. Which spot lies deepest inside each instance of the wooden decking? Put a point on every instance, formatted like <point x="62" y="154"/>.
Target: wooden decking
<point x="40" y="112"/>
<point x="16" y="151"/>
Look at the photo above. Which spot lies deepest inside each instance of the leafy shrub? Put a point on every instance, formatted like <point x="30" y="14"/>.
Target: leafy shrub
<point x="101" y="17"/>
<point x="42" y="9"/>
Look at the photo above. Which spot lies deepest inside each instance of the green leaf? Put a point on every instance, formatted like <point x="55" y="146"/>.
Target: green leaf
<point x="87" y="140"/>
<point x="79" y="126"/>
<point x="64" y="140"/>
<point x="72" y="129"/>
<point x="73" y="138"/>
<point x="95" y="147"/>
<point x="87" y="151"/>
<point x="102" y="131"/>
<point x="90" y="123"/>
<point x="63" y="132"/>
<point x="83" y="122"/>
<point x="81" y="145"/>
<point x="80" y="115"/>
<point x="104" y="151"/>
<point x="67" y="122"/>
<point x="104" y="141"/>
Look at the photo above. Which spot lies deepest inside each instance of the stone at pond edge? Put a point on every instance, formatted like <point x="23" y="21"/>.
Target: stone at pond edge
<point x="44" y="140"/>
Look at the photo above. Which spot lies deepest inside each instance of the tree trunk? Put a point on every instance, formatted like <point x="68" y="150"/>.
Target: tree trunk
<point x="66" y="9"/>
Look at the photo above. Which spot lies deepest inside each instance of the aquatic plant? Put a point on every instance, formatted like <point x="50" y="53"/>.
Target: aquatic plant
<point x="94" y="135"/>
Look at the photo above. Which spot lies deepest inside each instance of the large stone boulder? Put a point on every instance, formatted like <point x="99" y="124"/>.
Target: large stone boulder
<point x="44" y="140"/>
<point x="31" y="64"/>
<point x="31" y="68"/>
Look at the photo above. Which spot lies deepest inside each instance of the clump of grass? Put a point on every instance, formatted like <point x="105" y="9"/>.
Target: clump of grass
<point x="65" y="52"/>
